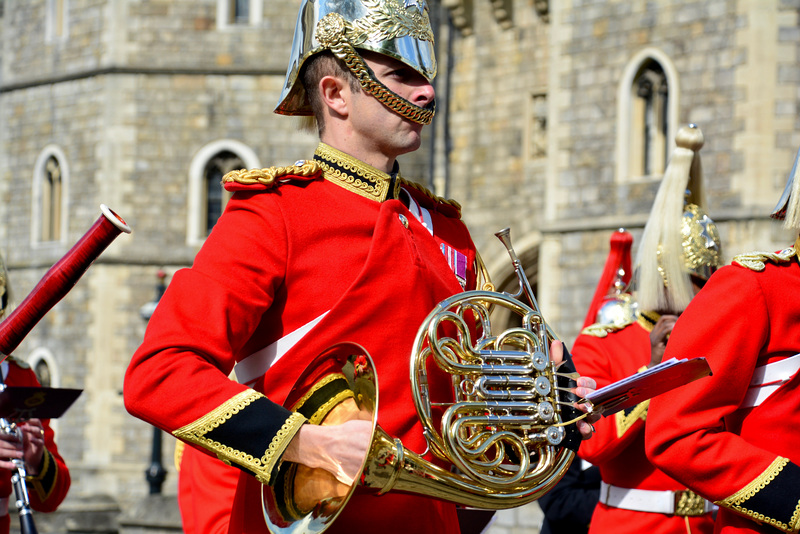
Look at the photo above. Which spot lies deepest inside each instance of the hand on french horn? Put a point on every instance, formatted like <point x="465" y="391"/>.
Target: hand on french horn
<point x="338" y="449"/>
<point x="585" y="386"/>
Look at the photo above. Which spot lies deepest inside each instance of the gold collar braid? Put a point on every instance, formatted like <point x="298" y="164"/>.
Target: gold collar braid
<point x="647" y="319"/>
<point x="365" y="180"/>
<point x="355" y="175"/>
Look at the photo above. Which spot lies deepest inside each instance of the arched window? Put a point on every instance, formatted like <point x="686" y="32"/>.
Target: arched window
<point x="43" y="374"/>
<point x="647" y="116"/>
<point x="56" y="20"/>
<point x="46" y="368"/>
<point x="50" y="184"/>
<point x="207" y="198"/>
<point x="215" y="196"/>
<point x="51" y="200"/>
<point x="649" y="101"/>
<point x="239" y="13"/>
<point x="44" y="365"/>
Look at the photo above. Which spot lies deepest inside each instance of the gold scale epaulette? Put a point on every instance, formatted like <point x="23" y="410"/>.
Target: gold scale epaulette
<point x="603" y="329"/>
<point x="757" y="261"/>
<point x="268" y="176"/>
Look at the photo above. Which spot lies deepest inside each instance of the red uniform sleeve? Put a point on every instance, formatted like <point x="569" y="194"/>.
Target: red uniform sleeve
<point x="698" y="433"/>
<point x="49" y="487"/>
<point x="201" y="323"/>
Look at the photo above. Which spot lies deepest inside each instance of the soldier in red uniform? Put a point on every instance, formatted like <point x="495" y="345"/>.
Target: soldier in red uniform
<point x="206" y="488"/>
<point x="336" y="248"/>
<point x="731" y="437"/>
<point x="47" y="478"/>
<point x="635" y="496"/>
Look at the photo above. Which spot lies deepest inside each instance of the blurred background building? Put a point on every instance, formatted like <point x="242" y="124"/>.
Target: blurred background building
<point x="554" y="118"/>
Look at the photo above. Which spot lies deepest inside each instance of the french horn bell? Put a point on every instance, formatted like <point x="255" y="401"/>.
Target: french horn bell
<point x="508" y="430"/>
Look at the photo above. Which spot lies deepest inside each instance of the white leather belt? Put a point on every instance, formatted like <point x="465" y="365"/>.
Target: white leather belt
<point x="4" y="506"/>
<point x="683" y="502"/>
<point x="768" y="378"/>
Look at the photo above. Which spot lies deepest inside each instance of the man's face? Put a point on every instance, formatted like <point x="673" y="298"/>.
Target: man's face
<point x="377" y="127"/>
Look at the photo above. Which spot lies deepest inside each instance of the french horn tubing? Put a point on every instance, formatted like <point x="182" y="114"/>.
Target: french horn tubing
<point x="508" y="431"/>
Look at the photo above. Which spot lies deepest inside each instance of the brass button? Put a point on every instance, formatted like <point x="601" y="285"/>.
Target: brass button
<point x="403" y="220"/>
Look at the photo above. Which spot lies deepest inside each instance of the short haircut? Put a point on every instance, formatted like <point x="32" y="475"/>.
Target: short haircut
<point x="316" y="68"/>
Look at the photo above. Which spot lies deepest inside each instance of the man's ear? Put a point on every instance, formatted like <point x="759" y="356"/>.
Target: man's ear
<point x="335" y="94"/>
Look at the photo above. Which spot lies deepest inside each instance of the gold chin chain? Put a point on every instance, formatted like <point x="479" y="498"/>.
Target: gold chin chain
<point x="337" y="34"/>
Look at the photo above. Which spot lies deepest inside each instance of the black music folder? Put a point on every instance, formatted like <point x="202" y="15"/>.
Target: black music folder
<point x="18" y="403"/>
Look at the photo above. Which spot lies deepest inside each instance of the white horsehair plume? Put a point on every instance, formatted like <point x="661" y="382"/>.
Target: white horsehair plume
<point x="792" y="219"/>
<point x="663" y="283"/>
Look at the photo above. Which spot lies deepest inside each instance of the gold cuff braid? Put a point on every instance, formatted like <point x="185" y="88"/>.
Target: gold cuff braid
<point x="261" y="467"/>
<point x="735" y="501"/>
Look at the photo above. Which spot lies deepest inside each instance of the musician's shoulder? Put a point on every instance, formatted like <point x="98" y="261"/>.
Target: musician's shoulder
<point x="431" y="200"/>
<point x="266" y="179"/>
<point x="758" y="261"/>
<point x="22" y="364"/>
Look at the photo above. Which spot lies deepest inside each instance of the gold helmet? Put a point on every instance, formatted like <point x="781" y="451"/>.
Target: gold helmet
<point x="400" y="29"/>
<point x="680" y="241"/>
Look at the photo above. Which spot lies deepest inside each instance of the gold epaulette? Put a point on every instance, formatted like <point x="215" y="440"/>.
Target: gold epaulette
<point x="757" y="261"/>
<point x="435" y="198"/>
<point x="603" y="329"/>
<point x="267" y="177"/>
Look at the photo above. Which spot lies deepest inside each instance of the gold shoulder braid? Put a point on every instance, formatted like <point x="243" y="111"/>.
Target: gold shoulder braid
<point x="757" y="261"/>
<point x="603" y="329"/>
<point x="435" y="198"/>
<point x="268" y="176"/>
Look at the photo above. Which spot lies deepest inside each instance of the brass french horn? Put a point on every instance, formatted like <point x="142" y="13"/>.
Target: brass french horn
<point x="508" y="431"/>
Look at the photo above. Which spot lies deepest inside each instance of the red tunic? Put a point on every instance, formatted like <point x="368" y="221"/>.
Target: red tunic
<point x="617" y="446"/>
<point x="49" y="487"/>
<point x="276" y="260"/>
<point x="206" y="488"/>
<point x="745" y="459"/>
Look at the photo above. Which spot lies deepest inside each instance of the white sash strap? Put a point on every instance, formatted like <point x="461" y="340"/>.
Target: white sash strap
<point x="658" y="502"/>
<point x="422" y="214"/>
<point x="768" y="378"/>
<point x="254" y="366"/>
